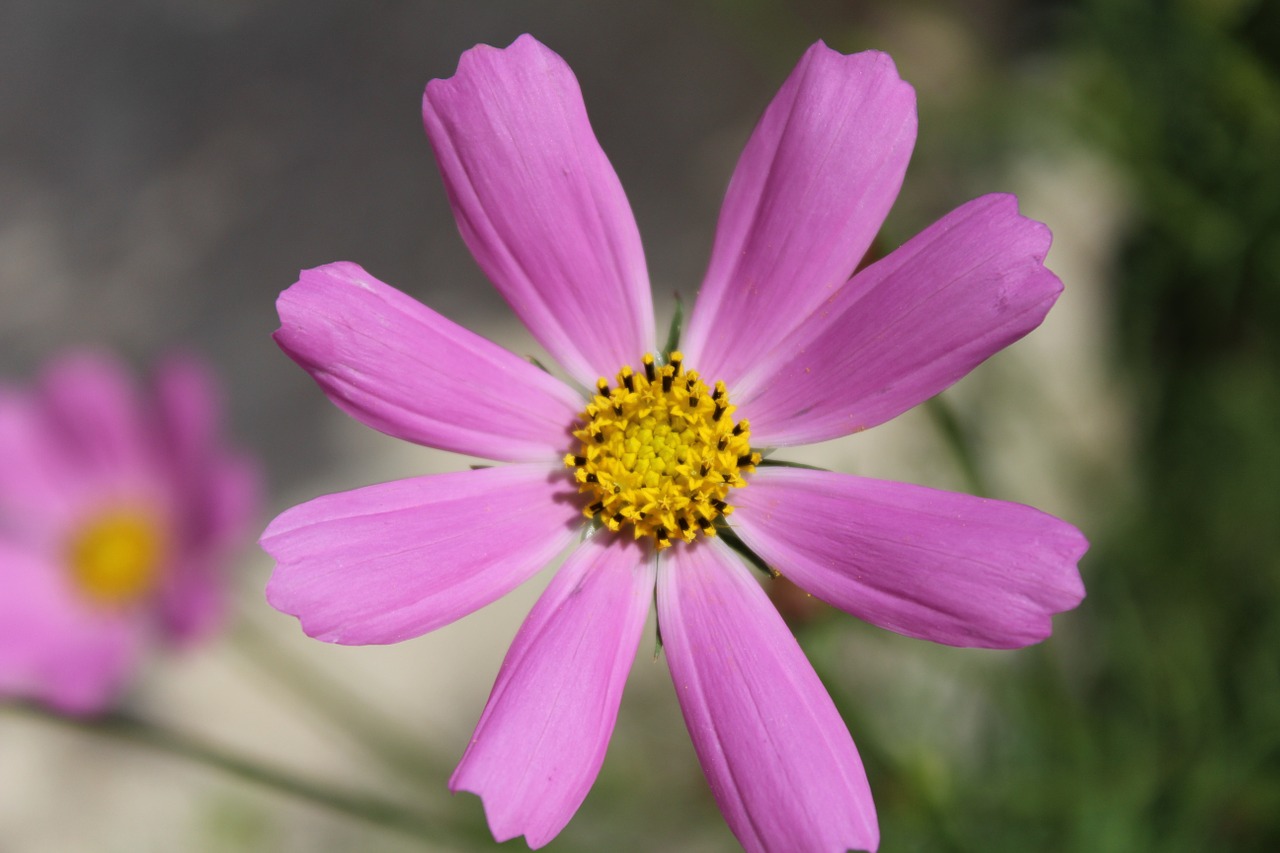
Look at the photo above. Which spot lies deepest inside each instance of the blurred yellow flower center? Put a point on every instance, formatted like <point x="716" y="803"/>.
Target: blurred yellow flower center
<point x="660" y="452"/>
<point x="115" y="557"/>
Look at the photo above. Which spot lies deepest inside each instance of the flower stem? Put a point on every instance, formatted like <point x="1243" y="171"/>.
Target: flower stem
<point x="958" y="441"/>
<point x="371" y="809"/>
<point x="373" y="731"/>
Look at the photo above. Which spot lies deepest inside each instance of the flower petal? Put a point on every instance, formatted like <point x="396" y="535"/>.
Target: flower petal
<point x="779" y="758"/>
<point x="388" y="562"/>
<point x="941" y="566"/>
<point x="540" y="206"/>
<point x="401" y="368"/>
<point x="215" y="495"/>
<point x="809" y="194"/>
<point x="92" y="412"/>
<point x="906" y="327"/>
<point x="31" y="468"/>
<point x="54" y="648"/>
<point x="540" y="743"/>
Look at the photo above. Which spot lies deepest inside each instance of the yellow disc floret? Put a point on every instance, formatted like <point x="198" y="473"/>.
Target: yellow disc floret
<point x="660" y="452"/>
<point x="115" y="557"/>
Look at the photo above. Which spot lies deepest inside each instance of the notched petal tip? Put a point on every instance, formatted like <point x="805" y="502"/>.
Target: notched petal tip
<point x="809" y="193"/>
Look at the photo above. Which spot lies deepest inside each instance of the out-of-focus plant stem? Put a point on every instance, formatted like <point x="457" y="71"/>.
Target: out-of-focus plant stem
<point x="371" y="809"/>
<point x="957" y="440"/>
<point x="372" y="730"/>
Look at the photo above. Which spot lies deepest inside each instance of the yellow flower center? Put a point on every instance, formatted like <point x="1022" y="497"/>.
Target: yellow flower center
<point x="115" y="557"/>
<point x="660" y="452"/>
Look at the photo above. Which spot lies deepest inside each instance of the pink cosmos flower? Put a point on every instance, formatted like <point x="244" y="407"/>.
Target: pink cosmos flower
<point x="657" y="460"/>
<point x="117" y="514"/>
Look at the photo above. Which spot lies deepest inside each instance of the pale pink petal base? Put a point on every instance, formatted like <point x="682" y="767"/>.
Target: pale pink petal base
<point x="905" y="328"/>
<point x="542" y="738"/>
<point x="812" y="187"/>
<point x="540" y="206"/>
<point x="401" y="368"/>
<point x="388" y="562"/>
<point x="779" y="758"/>
<point x="941" y="566"/>
<point x="54" y="648"/>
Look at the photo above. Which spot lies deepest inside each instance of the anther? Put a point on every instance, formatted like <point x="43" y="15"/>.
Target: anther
<point x="642" y="448"/>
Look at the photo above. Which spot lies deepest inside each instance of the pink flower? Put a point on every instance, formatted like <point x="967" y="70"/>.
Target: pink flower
<point x="782" y="348"/>
<point x="117" y="513"/>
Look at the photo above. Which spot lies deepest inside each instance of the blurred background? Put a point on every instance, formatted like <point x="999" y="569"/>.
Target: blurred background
<point x="167" y="166"/>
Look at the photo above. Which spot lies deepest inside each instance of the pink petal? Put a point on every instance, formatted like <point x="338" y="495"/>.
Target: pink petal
<point x="401" y="368"/>
<point x="542" y="738"/>
<point x="188" y="413"/>
<point x="193" y="604"/>
<point x="810" y="192"/>
<point x="779" y="759"/>
<point x="540" y="206"/>
<point x="194" y="600"/>
<point x="388" y="562"/>
<point x="94" y="416"/>
<point x="906" y="327"/>
<point x="31" y="469"/>
<point x="215" y="493"/>
<point x="941" y="566"/>
<point x="54" y="648"/>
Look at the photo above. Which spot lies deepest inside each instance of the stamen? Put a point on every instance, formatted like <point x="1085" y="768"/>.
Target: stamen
<point x="115" y="558"/>
<point x="656" y="457"/>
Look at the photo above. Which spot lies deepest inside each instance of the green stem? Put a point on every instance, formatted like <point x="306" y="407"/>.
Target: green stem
<point x="673" y="332"/>
<point x="371" y="809"/>
<point x="372" y="730"/>
<point x="958" y="442"/>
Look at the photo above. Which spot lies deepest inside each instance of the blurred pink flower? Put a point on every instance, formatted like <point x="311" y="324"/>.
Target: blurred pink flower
<point x="118" y="511"/>
<point x="657" y="457"/>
